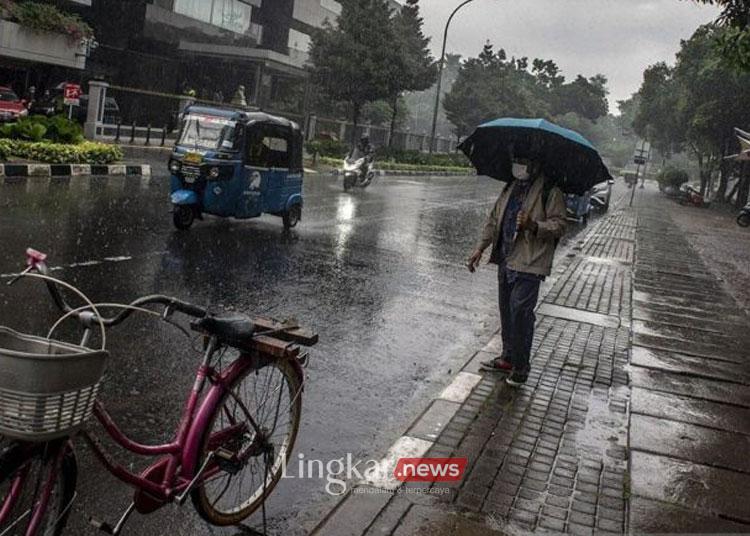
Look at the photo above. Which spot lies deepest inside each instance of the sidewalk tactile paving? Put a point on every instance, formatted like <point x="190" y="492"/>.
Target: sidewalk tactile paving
<point x="592" y="286"/>
<point x="610" y="248"/>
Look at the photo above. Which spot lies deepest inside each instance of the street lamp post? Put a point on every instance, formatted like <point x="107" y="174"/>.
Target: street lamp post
<point x="440" y="77"/>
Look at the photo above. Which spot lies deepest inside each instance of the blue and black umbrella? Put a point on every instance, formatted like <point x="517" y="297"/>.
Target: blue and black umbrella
<point x="566" y="157"/>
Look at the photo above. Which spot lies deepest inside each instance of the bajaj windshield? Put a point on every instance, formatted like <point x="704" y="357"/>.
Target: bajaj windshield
<point x="208" y="133"/>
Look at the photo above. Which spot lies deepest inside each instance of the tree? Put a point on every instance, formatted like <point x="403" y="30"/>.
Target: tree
<point x="547" y="73"/>
<point x="585" y="97"/>
<point x="491" y="85"/>
<point x="734" y="43"/>
<point x="415" y="69"/>
<point x="696" y="104"/>
<point x="659" y="116"/>
<point x="353" y="62"/>
<point x="380" y="113"/>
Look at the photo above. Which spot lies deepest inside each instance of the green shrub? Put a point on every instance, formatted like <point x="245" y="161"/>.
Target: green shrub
<point x="29" y="129"/>
<point x="395" y="166"/>
<point x="418" y="158"/>
<point x="58" y="153"/>
<point x="327" y="148"/>
<point x="338" y="149"/>
<point x="672" y="176"/>
<point x="58" y="129"/>
<point x="5" y="149"/>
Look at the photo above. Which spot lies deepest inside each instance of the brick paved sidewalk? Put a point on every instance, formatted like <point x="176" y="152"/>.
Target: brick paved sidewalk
<point x="578" y="449"/>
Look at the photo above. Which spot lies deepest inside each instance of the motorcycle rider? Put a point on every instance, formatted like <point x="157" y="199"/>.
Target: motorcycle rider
<point x="365" y="150"/>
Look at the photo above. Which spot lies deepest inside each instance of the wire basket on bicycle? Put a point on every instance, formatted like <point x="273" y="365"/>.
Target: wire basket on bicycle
<point x="48" y="387"/>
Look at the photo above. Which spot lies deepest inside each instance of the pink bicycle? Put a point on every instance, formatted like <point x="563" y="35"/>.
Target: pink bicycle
<point x="237" y="429"/>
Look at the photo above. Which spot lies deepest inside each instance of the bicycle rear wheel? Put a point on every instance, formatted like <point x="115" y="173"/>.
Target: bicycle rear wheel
<point x="266" y="402"/>
<point x="29" y="474"/>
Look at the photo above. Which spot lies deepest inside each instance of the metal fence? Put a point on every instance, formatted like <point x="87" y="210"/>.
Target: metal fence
<point x="141" y="117"/>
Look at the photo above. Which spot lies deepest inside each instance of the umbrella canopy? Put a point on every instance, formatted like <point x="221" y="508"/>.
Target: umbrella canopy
<point x="566" y="157"/>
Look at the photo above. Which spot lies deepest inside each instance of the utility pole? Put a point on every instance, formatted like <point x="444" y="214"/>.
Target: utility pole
<point x="641" y="157"/>
<point x="440" y="77"/>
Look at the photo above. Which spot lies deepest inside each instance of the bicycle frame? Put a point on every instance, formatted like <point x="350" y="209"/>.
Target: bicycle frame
<point x="177" y="471"/>
<point x="172" y="476"/>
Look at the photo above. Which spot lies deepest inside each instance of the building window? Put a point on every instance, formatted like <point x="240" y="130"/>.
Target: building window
<point x="331" y="5"/>
<point x="299" y="41"/>
<point x="234" y="15"/>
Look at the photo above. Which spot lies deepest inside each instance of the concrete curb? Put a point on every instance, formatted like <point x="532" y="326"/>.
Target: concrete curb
<point x="71" y="170"/>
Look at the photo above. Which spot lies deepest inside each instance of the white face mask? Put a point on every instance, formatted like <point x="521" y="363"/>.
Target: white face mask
<point x="520" y="171"/>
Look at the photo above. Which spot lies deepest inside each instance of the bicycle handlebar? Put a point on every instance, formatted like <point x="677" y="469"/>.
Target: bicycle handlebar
<point x="36" y="261"/>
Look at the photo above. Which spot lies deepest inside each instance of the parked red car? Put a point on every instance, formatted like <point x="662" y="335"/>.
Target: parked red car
<point x="11" y="107"/>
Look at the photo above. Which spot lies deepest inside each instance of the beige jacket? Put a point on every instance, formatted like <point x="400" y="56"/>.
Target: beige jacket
<point x="532" y="252"/>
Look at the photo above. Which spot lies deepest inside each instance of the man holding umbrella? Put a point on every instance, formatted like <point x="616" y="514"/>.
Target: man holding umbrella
<point x="523" y="229"/>
<point x="540" y="161"/>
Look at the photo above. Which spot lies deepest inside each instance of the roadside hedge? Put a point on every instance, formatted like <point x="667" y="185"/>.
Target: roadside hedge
<point x="57" y="129"/>
<point x="327" y="148"/>
<point x="418" y="158"/>
<point x="394" y="166"/>
<point x="338" y="149"/>
<point x="88" y="152"/>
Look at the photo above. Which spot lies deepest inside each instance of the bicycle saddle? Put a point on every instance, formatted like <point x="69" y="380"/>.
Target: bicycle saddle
<point x="232" y="330"/>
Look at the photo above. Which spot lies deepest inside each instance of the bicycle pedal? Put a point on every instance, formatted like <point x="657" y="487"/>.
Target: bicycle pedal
<point x="101" y="525"/>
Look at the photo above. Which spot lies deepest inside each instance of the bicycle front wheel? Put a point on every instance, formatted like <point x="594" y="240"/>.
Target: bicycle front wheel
<point x="23" y="481"/>
<point x="263" y="405"/>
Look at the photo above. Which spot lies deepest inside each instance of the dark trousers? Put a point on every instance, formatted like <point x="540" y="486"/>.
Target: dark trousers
<point x="517" y="318"/>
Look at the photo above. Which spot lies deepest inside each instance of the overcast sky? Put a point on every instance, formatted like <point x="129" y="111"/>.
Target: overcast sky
<point x="618" y="38"/>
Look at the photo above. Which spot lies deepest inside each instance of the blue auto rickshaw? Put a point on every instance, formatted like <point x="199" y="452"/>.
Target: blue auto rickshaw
<point x="233" y="163"/>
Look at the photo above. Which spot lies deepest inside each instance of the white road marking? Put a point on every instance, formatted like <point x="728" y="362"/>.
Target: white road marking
<point x="461" y="386"/>
<point x="382" y="475"/>
<point x="121" y="258"/>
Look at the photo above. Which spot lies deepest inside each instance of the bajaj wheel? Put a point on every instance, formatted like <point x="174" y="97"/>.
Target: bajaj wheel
<point x="183" y="217"/>
<point x="743" y="220"/>
<point x="292" y="216"/>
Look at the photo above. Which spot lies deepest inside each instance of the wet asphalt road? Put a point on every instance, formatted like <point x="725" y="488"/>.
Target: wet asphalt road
<point x="378" y="273"/>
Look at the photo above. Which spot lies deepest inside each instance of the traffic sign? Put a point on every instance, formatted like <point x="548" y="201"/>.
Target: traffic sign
<point x="72" y="94"/>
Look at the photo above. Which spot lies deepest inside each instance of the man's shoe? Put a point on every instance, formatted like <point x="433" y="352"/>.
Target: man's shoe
<point x="516" y="379"/>
<point x="496" y="365"/>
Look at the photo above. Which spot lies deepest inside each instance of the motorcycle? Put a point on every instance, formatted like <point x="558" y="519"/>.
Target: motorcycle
<point x="357" y="172"/>
<point x="691" y="196"/>
<point x="743" y="218"/>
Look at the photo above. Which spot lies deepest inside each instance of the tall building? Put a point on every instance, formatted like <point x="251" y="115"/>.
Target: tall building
<point x="210" y="47"/>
